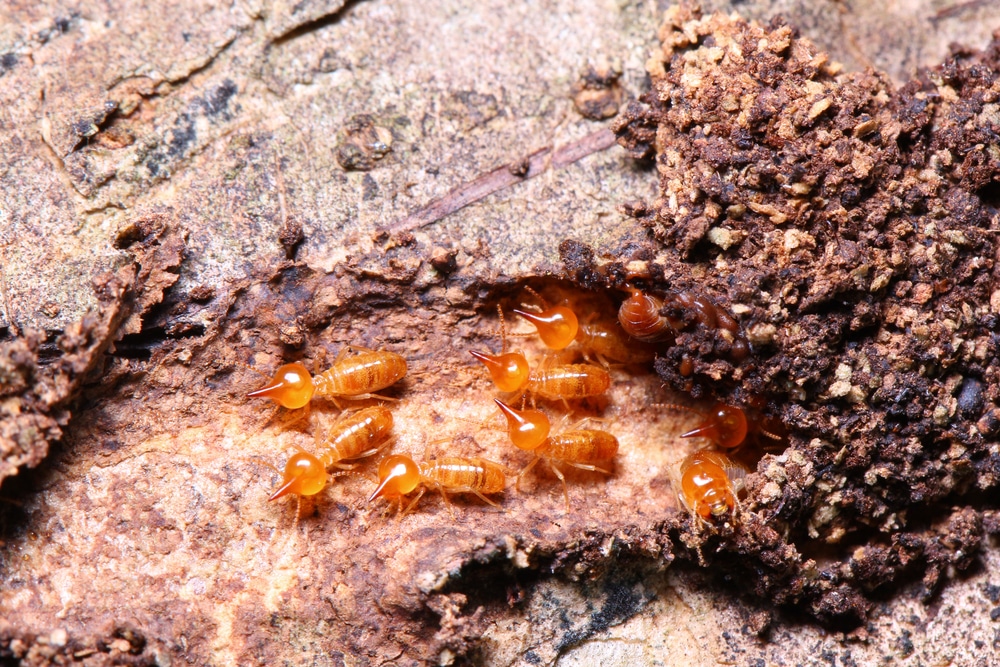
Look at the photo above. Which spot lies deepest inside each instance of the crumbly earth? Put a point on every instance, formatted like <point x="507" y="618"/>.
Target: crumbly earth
<point x="851" y="227"/>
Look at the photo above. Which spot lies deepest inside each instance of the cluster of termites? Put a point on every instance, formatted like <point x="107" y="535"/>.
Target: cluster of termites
<point x="579" y="351"/>
<point x="555" y="378"/>
<point x="710" y="480"/>
<point x="365" y="433"/>
<point x="355" y="374"/>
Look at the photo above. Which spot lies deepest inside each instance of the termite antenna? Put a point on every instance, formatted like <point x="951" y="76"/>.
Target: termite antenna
<point x="503" y="331"/>
<point x="259" y="461"/>
<point x="532" y="292"/>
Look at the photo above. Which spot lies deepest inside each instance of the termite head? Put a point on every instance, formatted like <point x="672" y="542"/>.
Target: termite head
<point x="557" y="326"/>
<point x="528" y="429"/>
<point x="706" y="486"/>
<point x="398" y="475"/>
<point x="305" y="475"/>
<point x="509" y="371"/>
<point x="726" y="426"/>
<point x="291" y="387"/>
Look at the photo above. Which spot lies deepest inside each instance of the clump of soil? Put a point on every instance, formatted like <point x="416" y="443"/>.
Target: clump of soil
<point x="851" y="228"/>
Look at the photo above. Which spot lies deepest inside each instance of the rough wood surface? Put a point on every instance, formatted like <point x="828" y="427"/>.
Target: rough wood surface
<point x="224" y="188"/>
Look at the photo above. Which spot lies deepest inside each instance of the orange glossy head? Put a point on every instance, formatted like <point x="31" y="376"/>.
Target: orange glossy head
<point x="291" y="387"/>
<point x="509" y="371"/>
<point x="398" y="475"/>
<point x="556" y="326"/>
<point x="726" y="426"/>
<point x="304" y="476"/>
<point x="707" y="490"/>
<point x="528" y="429"/>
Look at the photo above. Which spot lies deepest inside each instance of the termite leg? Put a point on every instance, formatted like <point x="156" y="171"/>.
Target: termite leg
<point x="413" y="502"/>
<point x="517" y="483"/>
<point x="364" y="397"/>
<point x="562" y="479"/>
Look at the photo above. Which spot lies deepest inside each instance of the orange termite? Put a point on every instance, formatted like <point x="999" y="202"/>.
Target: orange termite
<point x="608" y="341"/>
<point x="724" y="425"/>
<point x="529" y="430"/>
<point x="710" y="485"/>
<point x="399" y="476"/>
<point x="595" y="334"/>
<point x="557" y="325"/>
<point x="510" y="373"/>
<point x="509" y="370"/>
<point x="353" y="377"/>
<point x="567" y="381"/>
<point x="305" y="475"/>
<point x="640" y="317"/>
<point x="354" y="436"/>
<point x="550" y="381"/>
<point x="728" y="426"/>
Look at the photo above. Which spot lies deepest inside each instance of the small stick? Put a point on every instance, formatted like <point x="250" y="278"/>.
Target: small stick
<point x="503" y="177"/>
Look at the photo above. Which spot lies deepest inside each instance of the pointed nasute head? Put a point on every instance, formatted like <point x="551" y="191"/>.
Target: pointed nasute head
<point x="398" y="475"/>
<point x="509" y="371"/>
<point x="527" y="429"/>
<point x="291" y="387"/>
<point x="726" y="426"/>
<point x="305" y="475"/>
<point x="557" y="327"/>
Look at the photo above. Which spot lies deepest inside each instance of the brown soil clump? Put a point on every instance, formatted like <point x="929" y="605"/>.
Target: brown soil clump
<point x="851" y="228"/>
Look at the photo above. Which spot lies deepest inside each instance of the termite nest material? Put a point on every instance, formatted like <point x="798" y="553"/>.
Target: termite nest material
<point x="850" y="226"/>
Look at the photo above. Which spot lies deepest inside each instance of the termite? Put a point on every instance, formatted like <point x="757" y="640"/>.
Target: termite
<point x="607" y="341"/>
<point x="711" y="316"/>
<point x="770" y="428"/>
<point x="582" y="448"/>
<point x="557" y="325"/>
<point x="554" y="382"/>
<point x="567" y="381"/>
<point x="304" y="476"/>
<point x="710" y="485"/>
<point x="399" y="475"/>
<point x="654" y="319"/>
<point x="728" y="426"/>
<point x="509" y="370"/>
<point x="640" y="317"/>
<point x="352" y="377"/>
<point x="510" y="373"/>
<point x="724" y="425"/>
<point x="527" y="429"/>
<point x="354" y="436"/>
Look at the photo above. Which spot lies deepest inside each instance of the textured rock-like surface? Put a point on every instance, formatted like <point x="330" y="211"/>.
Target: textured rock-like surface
<point x="233" y="167"/>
